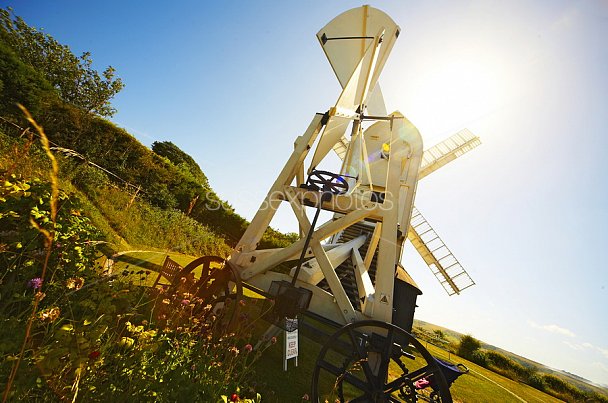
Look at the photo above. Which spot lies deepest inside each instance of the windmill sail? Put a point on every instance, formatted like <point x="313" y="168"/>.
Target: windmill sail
<point x="450" y="273"/>
<point x="447" y="151"/>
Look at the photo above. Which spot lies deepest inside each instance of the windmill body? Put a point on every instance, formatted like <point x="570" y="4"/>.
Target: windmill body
<point x="352" y="262"/>
<point x="347" y="272"/>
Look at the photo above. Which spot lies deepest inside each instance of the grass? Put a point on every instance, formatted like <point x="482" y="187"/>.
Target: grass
<point x="479" y="385"/>
<point x="276" y="385"/>
<point x="482" y="385"/>
<point x="146" y="261"/>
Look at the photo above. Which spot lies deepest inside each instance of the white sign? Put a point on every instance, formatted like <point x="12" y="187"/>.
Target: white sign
<point x="291" y="344"/>
<point x="290" y="348"/>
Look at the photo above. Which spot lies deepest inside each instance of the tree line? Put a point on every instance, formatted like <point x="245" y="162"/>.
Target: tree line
<point x="71" y="101"/>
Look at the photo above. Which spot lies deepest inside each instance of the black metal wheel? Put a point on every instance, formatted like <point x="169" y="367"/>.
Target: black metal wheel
<point x="373" y="361"/>
<point x="214" y="287"/>
<point x="326" y="181"/>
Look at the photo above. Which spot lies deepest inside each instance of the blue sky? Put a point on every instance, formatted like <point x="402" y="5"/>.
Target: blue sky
<point x="233" y="83"/>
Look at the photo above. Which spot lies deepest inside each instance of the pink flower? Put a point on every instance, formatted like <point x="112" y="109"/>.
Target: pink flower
<point x="35" y="283"/>
<point x="185" y="302"/>
<point x="248" y="348"/>
<point x="273" y="340"/>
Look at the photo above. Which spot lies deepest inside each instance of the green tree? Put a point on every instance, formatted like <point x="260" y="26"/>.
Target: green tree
<point x="468" y="345"/>
<point x="181" y="160"/>
<point x="73" y="77"/>
<point x="439" y="333"/>
<point x="20" y="83"/>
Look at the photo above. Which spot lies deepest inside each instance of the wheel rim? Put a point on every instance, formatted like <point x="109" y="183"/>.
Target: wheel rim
<point x="362" y="363"/>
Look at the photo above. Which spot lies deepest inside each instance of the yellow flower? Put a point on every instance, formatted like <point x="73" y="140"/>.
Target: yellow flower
<point x="49" y="314"/>
<point x="126" y="342"/>
<point x="75" y="283"/>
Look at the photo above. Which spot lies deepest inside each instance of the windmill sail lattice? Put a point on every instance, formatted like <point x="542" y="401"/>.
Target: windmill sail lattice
<point x="450" y="273"/>
<point x="447" y="151"/>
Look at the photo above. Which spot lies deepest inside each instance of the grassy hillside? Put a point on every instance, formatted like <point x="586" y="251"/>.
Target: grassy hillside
<point x="452" y="338"/>
<point x="479" y="385"/>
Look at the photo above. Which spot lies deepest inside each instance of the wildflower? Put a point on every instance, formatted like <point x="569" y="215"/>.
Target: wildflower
<point x="166" y="301"/>
<point x="234" y="350"/>
<point x="35" y="283"/>
<point x="126" y="341"/>
<point x="305" y="397"/>
<point x="49" y="314"/>
<point x="75" y="283"/>
<point x="273" y="340"/>
<point x="39" y="296"/>
<point x="185" y="302"/>
<point x="234" y="397"/>
<point x="93" y="355"/>
<point x="248" y="348"/>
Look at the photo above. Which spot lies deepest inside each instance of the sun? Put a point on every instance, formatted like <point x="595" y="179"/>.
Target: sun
<point x="449" y="93"/>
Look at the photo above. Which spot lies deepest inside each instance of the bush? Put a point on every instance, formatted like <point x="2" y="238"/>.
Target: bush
<point x="24" y="218"/>
<point x="142" y="224"/>
<point x="85" y="177"/>
<point x="562" y="389"/>
<point x="468" y="344"/>
<point x="94" y="337"/>
<point x="479" y="357"/>
<point x="510" y="368"/>
<point x="537" y="381"/>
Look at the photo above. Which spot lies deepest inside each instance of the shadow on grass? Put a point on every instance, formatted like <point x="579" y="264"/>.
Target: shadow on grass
<point x="141" y="263"/>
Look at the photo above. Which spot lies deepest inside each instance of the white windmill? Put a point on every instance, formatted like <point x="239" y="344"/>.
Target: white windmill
<point x="346" y="272"/>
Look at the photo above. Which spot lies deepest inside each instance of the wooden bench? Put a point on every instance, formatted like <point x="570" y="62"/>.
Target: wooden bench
<point x="169" y="270"/>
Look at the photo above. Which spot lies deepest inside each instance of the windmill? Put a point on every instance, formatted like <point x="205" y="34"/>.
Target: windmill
<point x="346" y="273"/>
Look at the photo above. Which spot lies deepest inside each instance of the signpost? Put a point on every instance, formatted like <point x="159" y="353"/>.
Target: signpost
<point x="290" y="346"/>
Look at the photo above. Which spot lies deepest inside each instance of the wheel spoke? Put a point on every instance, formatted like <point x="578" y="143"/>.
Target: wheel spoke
<point x="205" y="271"/>
<point x="363" y="359"/>
<point x="395" y="385"/>
<point x="386" y="355"/>
<point x="344" y="376"/>
<point x="421" y="373"/>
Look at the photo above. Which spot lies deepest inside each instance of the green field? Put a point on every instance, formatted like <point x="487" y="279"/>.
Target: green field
<point x="479" y="385"/>
<point x="276" y="385"/>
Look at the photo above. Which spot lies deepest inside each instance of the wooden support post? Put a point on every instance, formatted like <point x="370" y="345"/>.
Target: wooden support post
<point x="260" y="222"/>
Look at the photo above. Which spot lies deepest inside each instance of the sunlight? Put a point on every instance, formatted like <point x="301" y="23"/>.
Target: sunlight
<point x="449" y="93"/>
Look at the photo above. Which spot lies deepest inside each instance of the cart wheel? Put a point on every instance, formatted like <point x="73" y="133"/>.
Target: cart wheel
<point x="363" y="362"/>
<point x="215" y="282"/>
